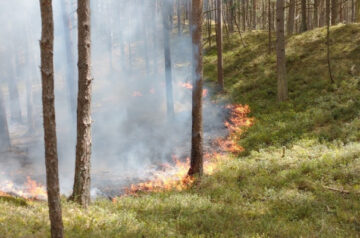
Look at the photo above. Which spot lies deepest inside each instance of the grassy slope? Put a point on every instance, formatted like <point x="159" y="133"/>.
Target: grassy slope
<point x="261" y="194"/>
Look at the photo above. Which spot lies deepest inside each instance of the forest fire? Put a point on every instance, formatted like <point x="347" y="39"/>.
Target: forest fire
<point x="31" y="190"/>
<point x="174" y="177"/>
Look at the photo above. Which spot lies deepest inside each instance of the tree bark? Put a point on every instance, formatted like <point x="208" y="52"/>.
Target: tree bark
<point x="303" y="16"/>
<point x="70" y="66"/>
<point x="167" y="56"/>
<point x="316" y="13"/>
<point x="291" y="17"/>
<point x="334" y="12"/>
<point x="4" y="129"/>
<point x="219" y="45"/>
<point x="269" y="26"/>
<point x="48" y="98"/>
<point x="81" y="190"/>
<point x="196" y="164"/>
<point x="280" y="52"/>
<point x="328" y="39"/>
<point x="254" y="15"/>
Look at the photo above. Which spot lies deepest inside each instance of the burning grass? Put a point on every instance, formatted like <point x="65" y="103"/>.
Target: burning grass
<point x="174" y="176"/>
<point x="31" y="190"/>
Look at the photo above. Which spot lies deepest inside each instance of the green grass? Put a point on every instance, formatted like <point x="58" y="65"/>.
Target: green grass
<point x="261" y="193"/>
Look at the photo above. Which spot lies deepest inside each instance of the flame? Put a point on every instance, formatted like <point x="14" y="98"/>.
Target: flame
<point x="189" y="86"/>
<point x="174" y="176"/>
<point x="31" y="190"/>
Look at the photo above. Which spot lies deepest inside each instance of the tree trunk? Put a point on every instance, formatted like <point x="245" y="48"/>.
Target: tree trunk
<point x="328" y="39"/>
<point x="167" y="56"/>
<point x="196" y="165"/>
<point x="291" y="17"/>
<point x="219" y="45"/>
<point x="243" y="14"/>
<point x="334" y="12"/>
<point x="280" y="52"/>
<point x="316" y="14"/>
<point x="4" y="129"/>
<point x="269" y="30"/>
<point x="178" y="8"/>
<point x="70" y="66"/>
<point x="15" y="109"/>
<point x="48" y="100"/>
<point x="81" y="190"/>
<point x="232" y="16"/>
<point x="254" y="14"/>
<point x="303" y="16"/>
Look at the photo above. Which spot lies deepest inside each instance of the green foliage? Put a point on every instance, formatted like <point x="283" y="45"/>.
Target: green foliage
<point x="316" y="108"/>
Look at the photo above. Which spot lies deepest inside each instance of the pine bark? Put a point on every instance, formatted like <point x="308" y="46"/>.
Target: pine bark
<point x="219" y="45"/>
<point x="303" y="16"/>
<point x="334" y="12"/>
<point x="166" y="8"/>
<point x="4" y="129"/>
<point x="280" y="52"/>
<point x="196" y="164"/>
<point x="291" y="17"/>
<point x="48" y="100"/>
<point x="81" y="190"/>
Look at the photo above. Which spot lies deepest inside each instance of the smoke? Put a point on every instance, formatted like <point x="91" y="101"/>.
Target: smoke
<point x="131" y="131"/>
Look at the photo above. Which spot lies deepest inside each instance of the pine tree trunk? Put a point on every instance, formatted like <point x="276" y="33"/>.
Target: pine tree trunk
<point x="48" y="100"/>
<point x="269" y="26"/>
<point x="70" y="69"/>
<point x="4" y="129"/>
<point x="316" y="14"/>
<point x="81" y="190"/>
<point x="291" y="17"/>
<point x="303" y="16"/>
<point x="254" y="15"/>
<point x="15" y="109"/>
<point x="328" y="39"/>
<point x="178" y="8"/>
<point x="280" y="51"/>
<point x="167" y="56"/>
<point x="196" y="165"/>
<point x="334" y="12"/>
<point x="219" y="45"/>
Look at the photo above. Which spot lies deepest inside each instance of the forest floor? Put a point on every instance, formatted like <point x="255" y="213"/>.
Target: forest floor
<point x="311" y="190"/>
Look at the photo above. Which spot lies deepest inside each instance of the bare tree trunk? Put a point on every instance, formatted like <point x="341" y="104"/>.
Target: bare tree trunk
<point x="70" y="66"/>
<point x="167" y="55"/>
<point x="291" y="17"/>
<point x="316" y="14"/>
<point x="196" y="165"/>
<point x="81" y="190"/>
<point x="269" y="30"/>
<point x="334" y="12"/>
<point x="219" y="45"/>
<point x="232" y="16"/>
<point x="48" y="100"/>
<point x="254" y="15"/>
<point x="328" y="39"/>
<point x="4" y="129"/>
<point x="178" y="8"/>
<point x="280" y="52"/>
<point x="243" y="14"/>
<point x="15" y="109"/>
<point x="303" y="16"/>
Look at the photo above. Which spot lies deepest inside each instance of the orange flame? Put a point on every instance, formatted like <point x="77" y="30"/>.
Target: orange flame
<point x="174" y="177"/>
<point x="189" y="86"/>
<point x="30" y="190"/>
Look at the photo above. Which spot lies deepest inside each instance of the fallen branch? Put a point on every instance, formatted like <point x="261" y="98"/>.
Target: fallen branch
<point x="341" y="190"/>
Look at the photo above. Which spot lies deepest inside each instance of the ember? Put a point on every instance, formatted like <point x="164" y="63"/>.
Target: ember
<point x="189" y="86"/>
